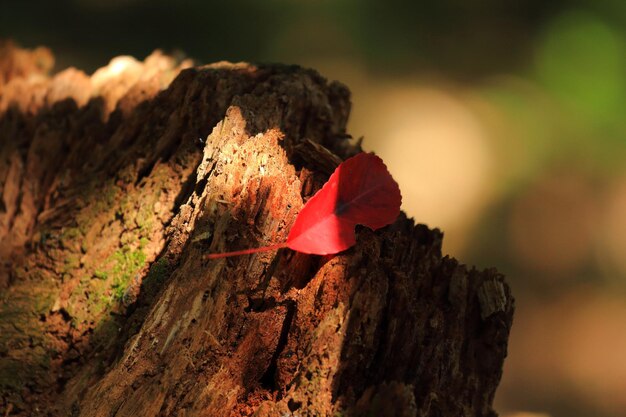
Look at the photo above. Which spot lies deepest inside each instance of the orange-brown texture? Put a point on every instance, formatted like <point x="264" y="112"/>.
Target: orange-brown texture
<point x="113" y="188"/>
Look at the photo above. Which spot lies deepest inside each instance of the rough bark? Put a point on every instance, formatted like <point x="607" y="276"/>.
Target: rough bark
<point x="113" y="187"/>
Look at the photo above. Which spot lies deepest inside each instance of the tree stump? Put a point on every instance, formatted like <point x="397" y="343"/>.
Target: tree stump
<point x="113" y="188"/>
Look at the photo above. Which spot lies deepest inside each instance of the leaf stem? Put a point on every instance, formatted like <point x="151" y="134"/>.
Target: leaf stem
<point x="246" y="251"/>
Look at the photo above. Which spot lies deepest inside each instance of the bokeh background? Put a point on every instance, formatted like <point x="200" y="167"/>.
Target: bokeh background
<point x="504" y="123"/>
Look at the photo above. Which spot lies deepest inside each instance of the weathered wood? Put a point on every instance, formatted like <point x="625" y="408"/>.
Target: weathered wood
<point x="113" y="188"/>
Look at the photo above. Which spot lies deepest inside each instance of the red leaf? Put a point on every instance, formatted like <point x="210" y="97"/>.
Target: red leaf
<point x="360" y="191"/>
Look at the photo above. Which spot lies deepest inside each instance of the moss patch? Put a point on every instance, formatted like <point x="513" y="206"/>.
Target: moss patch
<point x="126" y="264"/>
<point x="98" y="292"/>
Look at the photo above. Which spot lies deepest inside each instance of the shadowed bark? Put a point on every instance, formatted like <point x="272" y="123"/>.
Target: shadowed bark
<point x="114" y="186"/>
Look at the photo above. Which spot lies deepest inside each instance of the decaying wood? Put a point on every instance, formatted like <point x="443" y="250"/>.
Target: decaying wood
<point x="113" y="187"/>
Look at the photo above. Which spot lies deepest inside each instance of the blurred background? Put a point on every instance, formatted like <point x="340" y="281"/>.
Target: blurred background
<point x="504" y="124"/>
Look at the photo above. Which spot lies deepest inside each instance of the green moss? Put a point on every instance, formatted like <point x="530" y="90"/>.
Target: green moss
<point x="92" y="297"/>
<point x="100" y="274"/>
<point x="145" y="216"/>
<point x="98" y="301"/>
<point x="126" y="264"/>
